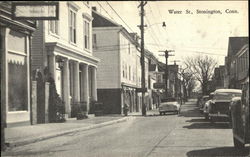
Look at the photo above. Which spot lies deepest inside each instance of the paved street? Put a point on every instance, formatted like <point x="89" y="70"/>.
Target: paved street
<point x="153" y="136"/>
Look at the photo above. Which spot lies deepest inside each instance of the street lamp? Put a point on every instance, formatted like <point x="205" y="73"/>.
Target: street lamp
<point x="163" y="24"/>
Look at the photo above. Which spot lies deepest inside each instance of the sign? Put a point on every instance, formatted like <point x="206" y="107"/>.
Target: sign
<point x="35" y="10"/>
<point x="140" y="90"/>
<point x="159" y="85"/>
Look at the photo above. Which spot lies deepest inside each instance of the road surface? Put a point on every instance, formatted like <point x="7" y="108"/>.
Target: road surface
<point x="187" y="134"/>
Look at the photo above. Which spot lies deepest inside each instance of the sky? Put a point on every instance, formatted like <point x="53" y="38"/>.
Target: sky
<point x="187" y="34"/>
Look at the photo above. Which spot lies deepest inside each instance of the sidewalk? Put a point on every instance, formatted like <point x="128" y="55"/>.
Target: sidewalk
<point x="149" y="113"/>
<point x="22" y="135"/>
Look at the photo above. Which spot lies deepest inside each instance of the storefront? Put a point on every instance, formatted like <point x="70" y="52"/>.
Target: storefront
<point x="15" y="66"/>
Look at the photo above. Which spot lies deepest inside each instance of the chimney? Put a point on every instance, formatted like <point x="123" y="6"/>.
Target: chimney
<point x="94" y="8"/>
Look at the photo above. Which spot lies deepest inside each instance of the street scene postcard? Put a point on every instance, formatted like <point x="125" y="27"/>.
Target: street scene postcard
<point x="125" y="78"/>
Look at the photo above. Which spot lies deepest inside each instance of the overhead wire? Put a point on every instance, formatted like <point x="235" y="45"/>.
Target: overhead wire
<point x="105" y="10"/>
<point x="119" y="16"/>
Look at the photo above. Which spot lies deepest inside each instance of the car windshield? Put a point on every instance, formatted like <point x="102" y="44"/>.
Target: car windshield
<point x="226" y="96"/>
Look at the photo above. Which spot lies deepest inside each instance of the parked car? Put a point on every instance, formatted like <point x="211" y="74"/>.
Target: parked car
<point x="169" y="105"/>
<point x="207" y="106"/>
<point x="219" y="106"/>
<point x="204" y="99"/>
<point x="240" y="117"/>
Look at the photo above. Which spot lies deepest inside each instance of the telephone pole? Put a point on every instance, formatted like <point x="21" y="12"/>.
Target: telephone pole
<point x="142" y="57"/>
<point x="175" y="78"/>
<point x="166" y="69"/>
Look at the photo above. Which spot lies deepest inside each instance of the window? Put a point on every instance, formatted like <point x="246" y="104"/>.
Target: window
<point x="129" y="72"/>
<point x="53" y="27"/>
<point x="94" y="41"/>
<point x="86" y="34"/>
<point x="72" y="26"/>
<point x="126" y="71"/>
<point x="123" y="70"/>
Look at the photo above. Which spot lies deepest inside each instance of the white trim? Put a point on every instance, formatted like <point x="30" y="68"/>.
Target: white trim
<point x="107" y="28"/>
<point x="58" y="30"/>
<point x="16" y="52"/>
<point x="73" y="5"/>
<point x="87" y="17"/>
<point x="15" y="112"/>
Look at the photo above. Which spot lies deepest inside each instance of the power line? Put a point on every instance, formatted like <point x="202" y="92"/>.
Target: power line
<point x="153" y="33"/>
<point x="119" y="16"/>
<point x="154" y="17"/>
<point x="105" y="10"/>
<point x="114" y="48"/>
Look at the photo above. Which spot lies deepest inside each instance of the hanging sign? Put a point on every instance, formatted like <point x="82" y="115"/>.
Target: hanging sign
<point x="35" y="10"/>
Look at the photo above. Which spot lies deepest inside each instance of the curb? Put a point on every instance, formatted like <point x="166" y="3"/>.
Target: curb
<point x="48" y="136"/>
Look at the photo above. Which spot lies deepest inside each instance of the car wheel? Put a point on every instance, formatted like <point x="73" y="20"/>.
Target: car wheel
<point x="238" y="144"/>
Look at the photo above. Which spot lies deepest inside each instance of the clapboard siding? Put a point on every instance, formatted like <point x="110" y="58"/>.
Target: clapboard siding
<point x="37" y="48"/>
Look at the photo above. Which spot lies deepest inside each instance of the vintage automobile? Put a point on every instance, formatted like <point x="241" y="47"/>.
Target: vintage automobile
<point x="240" y="117"/>
<point x="219" y="106"/>
<point x="207" y="106"/>
<point x="204" y="99"/>
<point x="169" y="105"/>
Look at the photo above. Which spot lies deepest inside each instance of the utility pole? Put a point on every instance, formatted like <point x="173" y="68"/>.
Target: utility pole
<point x="142" y="58"/>
<point x="166" y="69"/>
<point x="175" y="78"/>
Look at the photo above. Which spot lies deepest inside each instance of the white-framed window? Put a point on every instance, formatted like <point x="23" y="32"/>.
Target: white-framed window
<point x="53" y="27"/>
<point x="123" y="70"/>
<point x="94" y="41"/>
<point x="86" y="34"/>
<point x="129" y="72"/>
<point x="72" y="26"/>
<point x="126" y="71"/>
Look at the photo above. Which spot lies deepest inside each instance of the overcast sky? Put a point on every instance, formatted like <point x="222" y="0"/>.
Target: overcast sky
<point x="187" y="34"/>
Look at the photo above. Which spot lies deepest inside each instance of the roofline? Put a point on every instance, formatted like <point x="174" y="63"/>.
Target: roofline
<point x="113" y="22"/>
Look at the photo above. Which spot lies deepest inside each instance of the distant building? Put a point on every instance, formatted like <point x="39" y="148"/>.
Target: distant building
<point x="154" y="92"/>
<point x="219" y="74"/>
<point x="236" y="61"/>
<point x="174" y="83"/>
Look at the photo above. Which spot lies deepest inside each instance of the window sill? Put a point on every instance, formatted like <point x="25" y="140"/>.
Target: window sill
<point x="54" y="35"/>
<point x="14" y="112"/>
<point x="74" y="44"/>
<point x="88" y="50"/>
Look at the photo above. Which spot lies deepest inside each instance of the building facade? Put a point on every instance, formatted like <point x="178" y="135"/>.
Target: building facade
<point x="239" y="46"/>
<point x="63" y="48"/>
<point x="119" y="73"/>
<point x="218" y="79"/>
<point x="15" y="67"/>
<point x="154" y="77"/>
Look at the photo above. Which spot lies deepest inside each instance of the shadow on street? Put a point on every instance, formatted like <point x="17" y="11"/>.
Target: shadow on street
<point x="220" y="151"/>
<point x="208" y="125"/>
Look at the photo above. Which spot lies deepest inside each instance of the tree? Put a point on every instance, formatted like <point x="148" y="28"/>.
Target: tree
<point x="188" y="82"/>
<point x="202" y="68"/>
